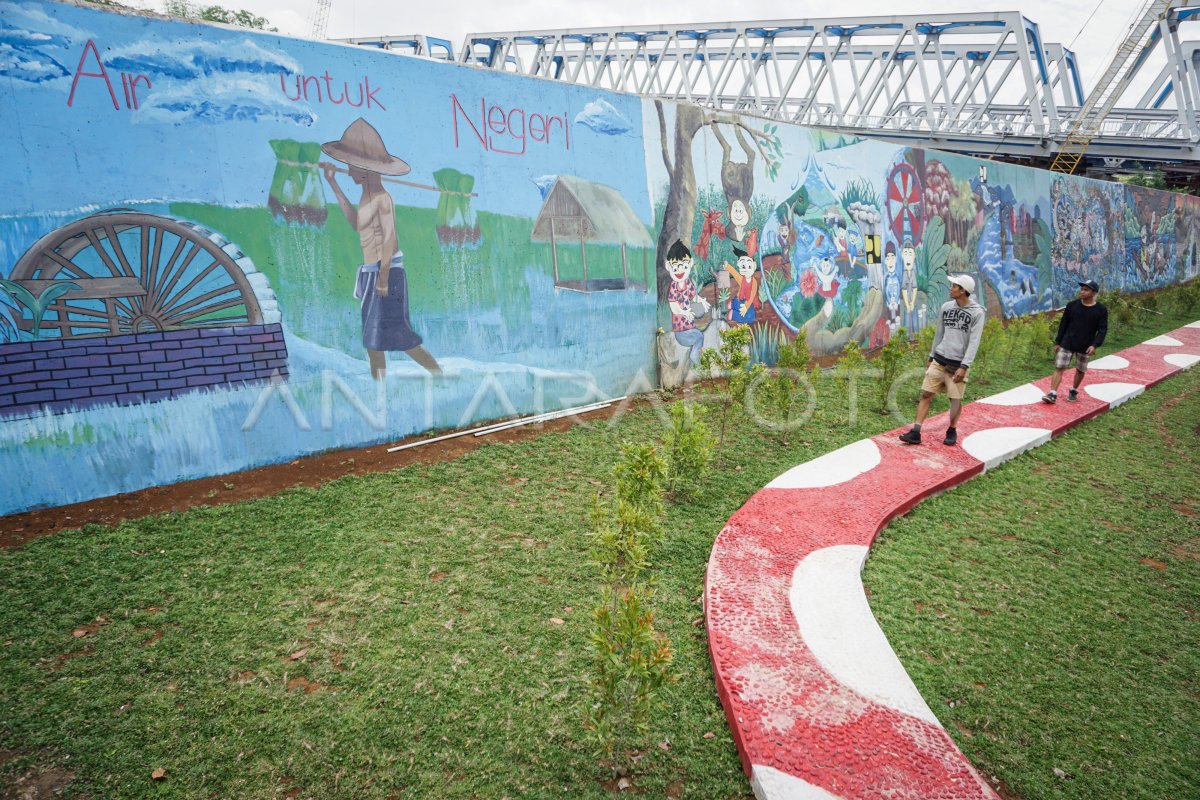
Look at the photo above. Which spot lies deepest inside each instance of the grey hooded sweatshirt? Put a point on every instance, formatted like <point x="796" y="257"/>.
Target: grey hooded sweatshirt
<point x="959" y="330"/>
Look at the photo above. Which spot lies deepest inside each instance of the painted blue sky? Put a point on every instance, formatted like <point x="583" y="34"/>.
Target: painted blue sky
<point x="212" y="98"/>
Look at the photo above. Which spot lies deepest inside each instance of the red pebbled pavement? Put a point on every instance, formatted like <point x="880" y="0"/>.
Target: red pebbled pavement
<point x="819" y="706"/>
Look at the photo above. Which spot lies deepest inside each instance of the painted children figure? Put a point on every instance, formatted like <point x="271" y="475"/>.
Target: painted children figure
<point x="382" y="284"/>
<point x="745" y="305"/>
<point x="828" y="282"/>
<point x="739" y="229"/>
<point x="908" y="287"/>
<point x="889" y="320"/>
<point x="891" y="286"/>
<point x="681" y="297"/>
<point x="847" y="245"/>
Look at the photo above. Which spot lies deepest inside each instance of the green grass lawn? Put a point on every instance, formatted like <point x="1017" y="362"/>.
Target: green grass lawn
<point x="423" y="633"/>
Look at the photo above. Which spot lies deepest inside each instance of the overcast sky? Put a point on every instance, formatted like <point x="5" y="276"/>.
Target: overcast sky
<point x="1060" y="21"/>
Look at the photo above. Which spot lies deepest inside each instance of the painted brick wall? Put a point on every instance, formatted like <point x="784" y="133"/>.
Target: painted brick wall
<point x="58" y="374"/>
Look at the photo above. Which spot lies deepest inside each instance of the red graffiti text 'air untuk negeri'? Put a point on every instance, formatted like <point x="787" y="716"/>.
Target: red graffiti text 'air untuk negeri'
<point x="509" y="130"/>
<point x="129" y="81"/>
<point x="324" y="89"/>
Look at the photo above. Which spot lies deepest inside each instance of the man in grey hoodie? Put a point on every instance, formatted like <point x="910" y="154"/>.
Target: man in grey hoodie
<point x="959" y="329"/>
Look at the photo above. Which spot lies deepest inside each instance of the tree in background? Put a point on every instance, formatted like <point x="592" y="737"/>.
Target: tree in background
<point x="214" y="13"/>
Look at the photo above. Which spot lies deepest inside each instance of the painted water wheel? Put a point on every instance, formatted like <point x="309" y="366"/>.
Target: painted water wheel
<point x="905" y="204"/>
<point x="138" y="273"/>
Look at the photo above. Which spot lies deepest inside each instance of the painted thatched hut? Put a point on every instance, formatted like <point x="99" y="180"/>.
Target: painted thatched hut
<point x="579" y="217"/>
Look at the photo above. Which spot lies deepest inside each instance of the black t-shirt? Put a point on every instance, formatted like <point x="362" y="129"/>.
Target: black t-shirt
<point x="1082" y="327"/>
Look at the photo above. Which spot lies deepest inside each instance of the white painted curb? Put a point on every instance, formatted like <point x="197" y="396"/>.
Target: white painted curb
<point x="996" y="445"/>
<point x="830" y="606"/>
<point x="831" y="469"/>
<point x="1114" y="393"/>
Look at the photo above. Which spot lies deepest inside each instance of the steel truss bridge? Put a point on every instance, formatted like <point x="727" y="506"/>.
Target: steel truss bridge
<point x="984" y="84"/>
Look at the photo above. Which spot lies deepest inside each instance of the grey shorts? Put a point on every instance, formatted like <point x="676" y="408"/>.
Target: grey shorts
<point x="1062" y="360"/>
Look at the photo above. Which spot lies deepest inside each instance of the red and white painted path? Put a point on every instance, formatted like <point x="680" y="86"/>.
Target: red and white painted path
<point x="820" y="707"/>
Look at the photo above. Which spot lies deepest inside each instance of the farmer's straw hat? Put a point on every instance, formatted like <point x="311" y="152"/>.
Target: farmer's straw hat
<point x="362" y="146"/>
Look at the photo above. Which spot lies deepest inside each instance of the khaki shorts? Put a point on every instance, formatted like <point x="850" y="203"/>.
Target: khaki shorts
<point x="938" y="378"/>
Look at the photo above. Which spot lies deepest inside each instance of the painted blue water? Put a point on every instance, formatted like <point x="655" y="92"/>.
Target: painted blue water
<point x="329" y="403"/>
<point x="590" y="346"/>
<point x="1014" y="281"/>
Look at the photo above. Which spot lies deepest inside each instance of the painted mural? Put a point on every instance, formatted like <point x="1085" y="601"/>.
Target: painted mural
<point x="1150" y="255"/>
<point x="1187" y="231"/>
<point x="1088" y="218"/>
<point x="245" y="248"/>
<point x="221" y="249"/>
<point x="850" y="239"/>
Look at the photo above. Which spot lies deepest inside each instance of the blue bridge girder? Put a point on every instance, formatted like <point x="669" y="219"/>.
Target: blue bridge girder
<point x="980" y="83"/>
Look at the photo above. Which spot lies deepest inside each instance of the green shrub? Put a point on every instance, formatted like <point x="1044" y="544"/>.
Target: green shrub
<point x="1039" y="339"/>
<point x="782" y="388"/>
<point x="851" y="366"/>
<point x="632" y="659"/>
<point x="1014" y="337"/>
<point x="731" y="360"/>
<point x="1120" y="309"/>
<point x="1187" y="296"/>
<point x="690" y="447"/>
<point x="925" y="338"/>
<point x="891" y="360"/>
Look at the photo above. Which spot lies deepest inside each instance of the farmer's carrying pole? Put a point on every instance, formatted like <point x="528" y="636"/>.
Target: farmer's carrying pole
<point x="298" y="194"/>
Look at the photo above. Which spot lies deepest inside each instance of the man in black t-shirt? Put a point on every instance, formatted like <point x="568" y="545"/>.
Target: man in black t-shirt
<point x="1082" y="329"/>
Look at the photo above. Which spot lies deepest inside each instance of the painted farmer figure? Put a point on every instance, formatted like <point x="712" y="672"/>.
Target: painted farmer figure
<point x="1081" y="330"/>
<point x="683" y="298"/>
<point x="381" y="285"/>
<point x="959" y="329"/>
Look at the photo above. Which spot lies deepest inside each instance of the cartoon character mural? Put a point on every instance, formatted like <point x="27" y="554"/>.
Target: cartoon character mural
<point x="819" y="247"/>
<point x="907" y="217"/>
<point x="687" y="306"/>
<point x="813" y="259"/>
<point x="891" y="320"/>
<point x="715" y="231"/>
<point x="743" y="309"/>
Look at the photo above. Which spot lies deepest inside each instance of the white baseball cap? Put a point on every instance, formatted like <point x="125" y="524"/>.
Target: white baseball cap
<point x="965" y="281"/>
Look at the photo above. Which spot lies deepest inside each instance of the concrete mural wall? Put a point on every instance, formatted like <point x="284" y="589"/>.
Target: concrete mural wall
<point x="187" y="210"/>
<point x="849" y="239"/>
<point x="221" y="249"/>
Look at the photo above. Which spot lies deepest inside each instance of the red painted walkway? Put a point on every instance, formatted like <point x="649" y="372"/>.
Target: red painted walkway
<point x="819" y="705"/>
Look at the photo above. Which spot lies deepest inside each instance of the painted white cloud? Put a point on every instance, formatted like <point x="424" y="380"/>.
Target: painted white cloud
<point x="236" y="99"/>
<point x="600" y="116"/>
<point x="184" y="60"/>
<point x="34" y="20"/>
<point x="28" y="64"/>
<point x="32" y="45"/>
<point x="210" y="81"/>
